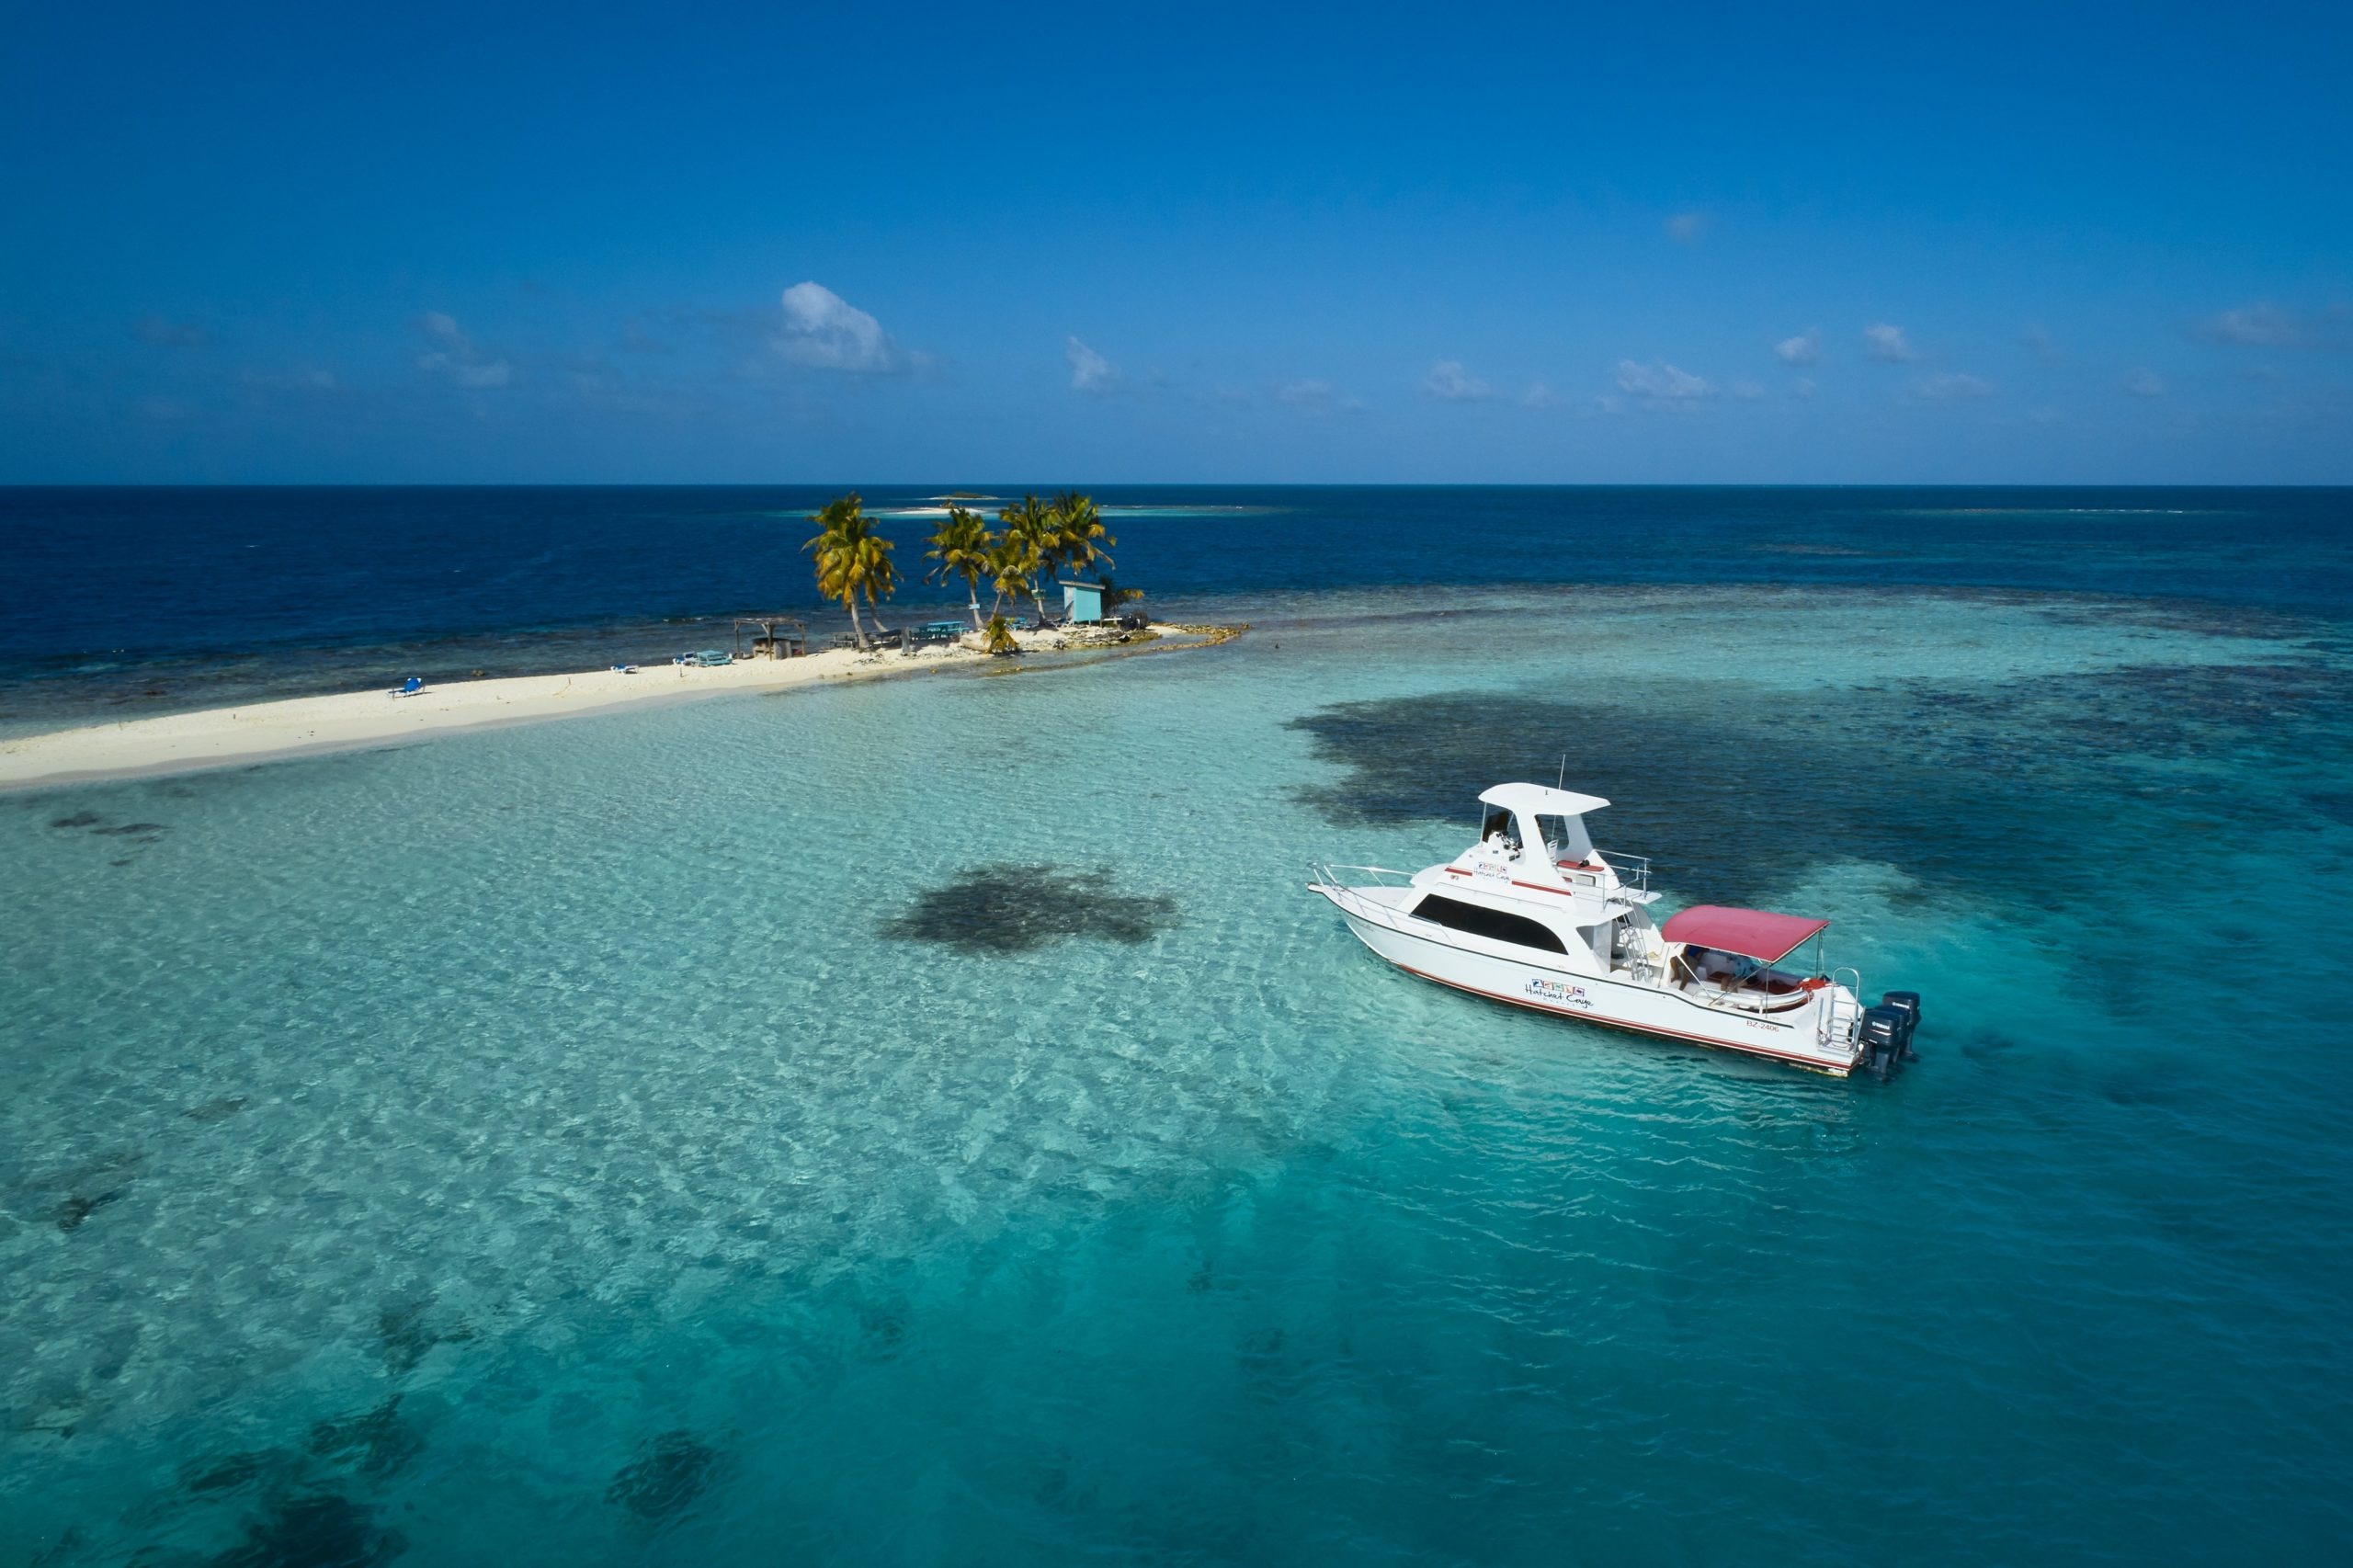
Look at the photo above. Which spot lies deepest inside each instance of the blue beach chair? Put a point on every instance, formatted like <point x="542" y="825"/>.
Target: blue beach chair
<point x="410" y="686"/>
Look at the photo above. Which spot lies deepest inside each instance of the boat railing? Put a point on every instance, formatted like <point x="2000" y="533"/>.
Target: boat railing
<point x="1633" y="870"/>
<point x="1324" y="874"/>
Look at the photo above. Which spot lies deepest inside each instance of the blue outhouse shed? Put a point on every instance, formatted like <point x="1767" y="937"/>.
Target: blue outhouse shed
<point x="1082" y="602"/>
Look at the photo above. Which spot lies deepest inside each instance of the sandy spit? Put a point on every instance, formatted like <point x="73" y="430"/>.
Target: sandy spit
<point x="258" y="732"/>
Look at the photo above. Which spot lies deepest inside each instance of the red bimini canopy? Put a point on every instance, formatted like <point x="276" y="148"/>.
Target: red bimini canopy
<point x="1752" y="932"/>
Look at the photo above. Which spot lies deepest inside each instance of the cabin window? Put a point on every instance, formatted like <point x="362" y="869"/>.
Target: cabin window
<point x="1498" y="822"/>
<point x="1564" y="836"/>
<point x="1480" y="921"/>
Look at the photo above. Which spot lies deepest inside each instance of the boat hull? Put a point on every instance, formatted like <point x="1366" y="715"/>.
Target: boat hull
<point x="1791" y="1037"/>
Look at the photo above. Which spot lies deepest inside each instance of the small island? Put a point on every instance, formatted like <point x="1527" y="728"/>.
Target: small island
<point x="1035" y="544"/>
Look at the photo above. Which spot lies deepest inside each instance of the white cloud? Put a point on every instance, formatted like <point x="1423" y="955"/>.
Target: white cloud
<point x="2262" y="325"/>
<point x="827" y="333"/>
<point x="1538" y="395"/>
<point x="1661" y="383"/>
<point x="1952" y="386"/>
<point x="1685" y="228"/>
<point x="2266" y="325"/>
<point x="1089" y="372"/>
<point x="1801" y="387"/>
<point x="1317" y="397"/>
<point x="1746" y="392"/>
<point x="1888" y="344"/>
<point x="1802" y="349"/>
<point x="454" y="356"/>
<point x="312" y="379"/>
<point x="1448" y="382"/>
<point x="2144" y="382"/>
<point x="166" y="334"/>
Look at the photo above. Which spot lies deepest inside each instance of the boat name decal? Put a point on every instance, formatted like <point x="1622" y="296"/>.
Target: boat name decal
<point x="1560" y="990"/>
<point x="1489" y="868"/>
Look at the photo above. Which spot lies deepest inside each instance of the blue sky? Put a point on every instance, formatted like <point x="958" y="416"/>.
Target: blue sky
<point x="1256" y="243"/>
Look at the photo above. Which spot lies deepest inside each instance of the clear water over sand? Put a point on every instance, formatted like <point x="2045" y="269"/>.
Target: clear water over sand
<point x="566" y="1145"/>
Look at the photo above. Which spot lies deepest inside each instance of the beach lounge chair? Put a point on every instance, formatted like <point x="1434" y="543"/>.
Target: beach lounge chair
<point x="410" y="686"/>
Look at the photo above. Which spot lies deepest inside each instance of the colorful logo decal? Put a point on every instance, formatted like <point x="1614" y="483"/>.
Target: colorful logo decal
<point x="1559" y="991"/>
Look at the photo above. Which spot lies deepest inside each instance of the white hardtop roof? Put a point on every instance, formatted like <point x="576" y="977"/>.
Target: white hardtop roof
<point x="1539" y="801"/>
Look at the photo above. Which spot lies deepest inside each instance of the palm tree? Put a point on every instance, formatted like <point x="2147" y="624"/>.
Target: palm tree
<point x="1080" y="538"/>
<point x="852" y="558"/>
<point x="1013" y="567"/>
<point x="961" y="547"/>
<point x="1032" y="522"/>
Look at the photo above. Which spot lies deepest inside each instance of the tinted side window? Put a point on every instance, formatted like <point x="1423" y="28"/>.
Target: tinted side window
<point x="1482" y="922"/>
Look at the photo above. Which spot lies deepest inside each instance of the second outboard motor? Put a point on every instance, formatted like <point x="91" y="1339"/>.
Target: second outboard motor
<point x="1909" y="1003"/>
<point x="1881" y="1034"/>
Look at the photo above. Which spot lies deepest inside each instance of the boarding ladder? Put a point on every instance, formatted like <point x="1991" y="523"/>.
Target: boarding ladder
<point x="1841" y="1016"/>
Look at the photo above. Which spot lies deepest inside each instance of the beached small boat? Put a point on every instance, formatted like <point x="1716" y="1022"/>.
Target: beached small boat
<point x="1533" y="915"/>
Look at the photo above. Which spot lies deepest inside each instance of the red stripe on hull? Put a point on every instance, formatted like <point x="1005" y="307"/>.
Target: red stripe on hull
<point x="1812" y="1064"/>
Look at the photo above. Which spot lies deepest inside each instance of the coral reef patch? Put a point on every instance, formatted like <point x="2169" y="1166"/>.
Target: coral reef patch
<point x="1011" y="909"/>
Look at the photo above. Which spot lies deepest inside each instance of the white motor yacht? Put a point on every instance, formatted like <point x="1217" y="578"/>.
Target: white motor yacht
<point x="1533" y="915"/>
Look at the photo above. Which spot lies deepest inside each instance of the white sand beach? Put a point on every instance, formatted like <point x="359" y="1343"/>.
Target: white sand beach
<point x="261" y="731"/>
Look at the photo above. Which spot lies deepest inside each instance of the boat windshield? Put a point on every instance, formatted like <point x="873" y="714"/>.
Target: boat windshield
<point x="1565" y="837"/>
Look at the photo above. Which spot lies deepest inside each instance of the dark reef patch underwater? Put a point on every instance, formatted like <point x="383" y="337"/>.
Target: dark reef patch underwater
<point x="1736" y="795"/>
<point x="667" y="1475"/>
<point x="377" y="1441"/>
<point x="315" y="1530"/>
<point x="1013" y="909"/>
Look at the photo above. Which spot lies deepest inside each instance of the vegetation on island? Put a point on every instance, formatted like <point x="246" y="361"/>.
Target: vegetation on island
<point x="852" y="560"/>
<point x="961" y="548"/>
<point x="1034" y="542"/>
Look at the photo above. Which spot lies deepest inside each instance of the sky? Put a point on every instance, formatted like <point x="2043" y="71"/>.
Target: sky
<point x="1253" y="244"/>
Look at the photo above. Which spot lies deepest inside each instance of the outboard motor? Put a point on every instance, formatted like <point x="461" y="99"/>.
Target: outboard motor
<point x="1909" y="1002"/>
<point x="1882" y="1033"/>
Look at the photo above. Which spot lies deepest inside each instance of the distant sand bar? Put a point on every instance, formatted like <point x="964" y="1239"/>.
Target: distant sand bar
<point x="262" y="730"/>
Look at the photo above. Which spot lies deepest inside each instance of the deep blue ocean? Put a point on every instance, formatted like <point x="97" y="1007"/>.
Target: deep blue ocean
<point x="147" y="599"/>
<point x="928" y="1120"/>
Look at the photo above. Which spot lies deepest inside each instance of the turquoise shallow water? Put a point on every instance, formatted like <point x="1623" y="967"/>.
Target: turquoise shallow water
<point x="538" y="1145"/>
